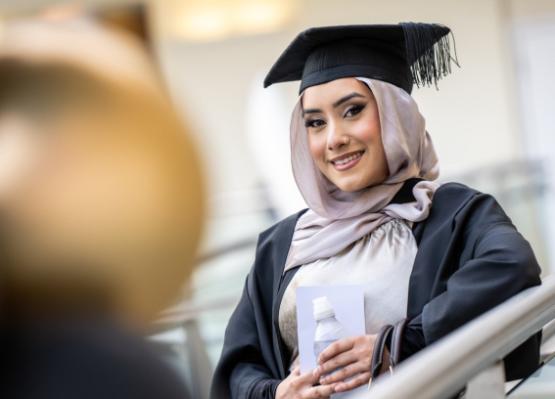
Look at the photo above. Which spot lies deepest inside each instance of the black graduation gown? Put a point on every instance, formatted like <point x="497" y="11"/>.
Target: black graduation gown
<point x="470" y="258"/>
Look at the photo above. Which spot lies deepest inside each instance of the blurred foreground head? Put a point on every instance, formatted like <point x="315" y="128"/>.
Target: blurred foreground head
<point x="101" y="201"/>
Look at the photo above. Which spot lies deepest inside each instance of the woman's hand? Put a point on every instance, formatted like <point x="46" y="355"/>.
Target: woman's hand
<point x="348" y="360"/>
<point x="301" y="386"/>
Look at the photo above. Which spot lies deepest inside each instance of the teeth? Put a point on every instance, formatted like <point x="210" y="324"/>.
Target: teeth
<point x="348" y="159"/>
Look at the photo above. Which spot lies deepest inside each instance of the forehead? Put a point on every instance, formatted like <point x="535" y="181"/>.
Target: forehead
<point x="327" y="93"/>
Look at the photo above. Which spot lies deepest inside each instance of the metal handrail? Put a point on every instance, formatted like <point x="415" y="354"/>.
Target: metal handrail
<point x="548" y="331"/>
<point x="445" y="367"/>
<point x="183" y="313"/>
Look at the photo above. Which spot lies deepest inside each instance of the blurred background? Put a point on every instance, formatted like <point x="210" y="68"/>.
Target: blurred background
<point x="492" y="122"/>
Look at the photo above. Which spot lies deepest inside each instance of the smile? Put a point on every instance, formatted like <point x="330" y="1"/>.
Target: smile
<point x="347" y="161"/>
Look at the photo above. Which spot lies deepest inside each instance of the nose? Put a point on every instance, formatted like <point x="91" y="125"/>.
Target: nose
<point x="337" y="138"/>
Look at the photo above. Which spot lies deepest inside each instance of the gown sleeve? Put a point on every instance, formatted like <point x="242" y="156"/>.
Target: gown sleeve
<point x="242" y="371"/>
<point x="251" y="363"/>
<point x="500" y="264"/>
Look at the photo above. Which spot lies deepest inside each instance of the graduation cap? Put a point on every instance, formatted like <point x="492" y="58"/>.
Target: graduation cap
<point x="403" y="54"/>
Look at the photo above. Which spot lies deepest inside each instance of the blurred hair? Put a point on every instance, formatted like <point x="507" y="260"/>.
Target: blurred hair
<point x="128" y="245"/>
<point x="131" y="18"/>
<point x="45" y="90"/>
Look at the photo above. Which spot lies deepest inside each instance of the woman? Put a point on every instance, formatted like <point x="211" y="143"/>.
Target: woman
<point x="437" y="256"/>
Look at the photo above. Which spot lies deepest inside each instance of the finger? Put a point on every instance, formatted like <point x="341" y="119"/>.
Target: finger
<point x="318" y="392"/>
<point x="309" y="378"/>
<point x="353" y="383"/>
<point x="296" y="371"/>
<point x="344" y="373"/>
<point x="336" y="348"/>
<point x="341" y="360"/>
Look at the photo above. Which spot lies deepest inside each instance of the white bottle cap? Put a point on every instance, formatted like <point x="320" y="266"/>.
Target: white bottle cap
<point x="322" y="308"/>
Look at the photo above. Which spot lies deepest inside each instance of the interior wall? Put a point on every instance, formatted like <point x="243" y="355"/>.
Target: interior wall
<point x="533" y="39"/>
<point x="471" y="118"/>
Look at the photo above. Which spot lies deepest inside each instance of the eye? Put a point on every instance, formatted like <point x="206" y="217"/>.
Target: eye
<point x="354" y="110"/>
<point x="314" y="123"/>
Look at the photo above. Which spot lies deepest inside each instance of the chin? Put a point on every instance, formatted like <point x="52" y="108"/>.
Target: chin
<point x="351" y="186"/>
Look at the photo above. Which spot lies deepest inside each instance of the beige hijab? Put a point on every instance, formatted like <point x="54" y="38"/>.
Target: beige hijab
<point x="336" y="219"/>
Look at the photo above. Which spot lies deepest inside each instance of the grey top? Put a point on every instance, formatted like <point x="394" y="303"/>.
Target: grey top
<point x="381" y="261"/>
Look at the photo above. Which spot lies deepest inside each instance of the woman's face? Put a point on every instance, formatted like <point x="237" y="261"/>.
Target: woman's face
<point x="344" y="133"/>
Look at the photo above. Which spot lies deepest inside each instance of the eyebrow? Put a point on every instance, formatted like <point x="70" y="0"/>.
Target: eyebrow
<point x="335" y="104"/>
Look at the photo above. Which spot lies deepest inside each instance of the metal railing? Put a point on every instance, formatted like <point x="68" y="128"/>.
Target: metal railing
<point x="446" y="367"/>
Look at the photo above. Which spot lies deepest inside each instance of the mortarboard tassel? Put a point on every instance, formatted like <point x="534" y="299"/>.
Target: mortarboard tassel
<point x="429" y="57"/>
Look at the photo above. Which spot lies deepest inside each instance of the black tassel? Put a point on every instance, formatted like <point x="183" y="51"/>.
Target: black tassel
<point x="428" y="52"/>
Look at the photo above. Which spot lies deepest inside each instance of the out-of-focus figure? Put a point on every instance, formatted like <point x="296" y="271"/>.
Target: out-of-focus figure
<point x="101" y="207"/>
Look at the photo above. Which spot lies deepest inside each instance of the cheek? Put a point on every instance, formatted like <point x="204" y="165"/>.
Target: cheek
<point x="317" y="147"/>
<point x="368" y="131"/>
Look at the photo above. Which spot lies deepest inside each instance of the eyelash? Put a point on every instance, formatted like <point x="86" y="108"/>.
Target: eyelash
<point x="352" y="111"/>
<point x="312" y="123"/>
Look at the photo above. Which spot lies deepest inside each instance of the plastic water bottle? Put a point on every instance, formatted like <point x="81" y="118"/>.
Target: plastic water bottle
<point x="328" y="329"/>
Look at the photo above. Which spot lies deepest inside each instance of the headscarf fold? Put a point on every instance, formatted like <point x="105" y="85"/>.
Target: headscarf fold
<point x="337" y="219"/>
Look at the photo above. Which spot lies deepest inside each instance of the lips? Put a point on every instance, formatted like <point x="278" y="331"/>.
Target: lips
<point x="347" y="161"/>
